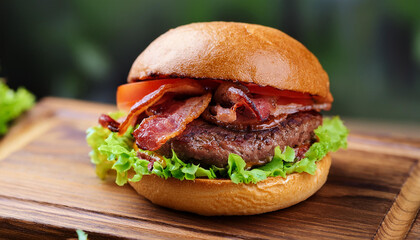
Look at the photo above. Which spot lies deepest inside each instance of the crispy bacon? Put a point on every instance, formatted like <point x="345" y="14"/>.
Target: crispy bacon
<point x="155" y="130"/>
<point x="107" y="122"/>
<point x="185" y="86"/>
<point x="226" y="115"/>
<point x="235" y="96"/>
<point x="229" y="97"/>
<point x="264" y="107"/>
<point x="295" y="107"/>
<point x="243" y="123"/>
<point x="265" y="110"/>
<point x="229" y="118"/>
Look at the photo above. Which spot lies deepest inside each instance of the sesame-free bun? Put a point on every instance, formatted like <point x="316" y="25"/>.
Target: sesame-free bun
<point x="223" y="197"/>
<point x="233" y="51"/>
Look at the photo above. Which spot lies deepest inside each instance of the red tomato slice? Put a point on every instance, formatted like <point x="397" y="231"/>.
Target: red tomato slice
<point x="271" y="91"/>
<point x="130" y="93"/>
<point x="254" y="88"/>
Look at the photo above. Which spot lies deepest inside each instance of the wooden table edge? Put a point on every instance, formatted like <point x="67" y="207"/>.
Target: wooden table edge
<point x="400" y="217"/>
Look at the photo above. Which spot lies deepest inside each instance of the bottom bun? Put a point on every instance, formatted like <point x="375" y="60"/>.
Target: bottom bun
<point x="223" y="197"/>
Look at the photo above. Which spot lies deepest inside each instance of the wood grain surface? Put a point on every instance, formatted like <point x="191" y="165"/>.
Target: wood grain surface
<point x="48" y="189"/>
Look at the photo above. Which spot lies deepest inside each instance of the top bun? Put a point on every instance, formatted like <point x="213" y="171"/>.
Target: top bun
<point x="233" y="51"/>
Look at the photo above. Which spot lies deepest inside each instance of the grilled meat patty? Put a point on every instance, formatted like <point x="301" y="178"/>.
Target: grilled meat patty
<point x="208" y="144"/>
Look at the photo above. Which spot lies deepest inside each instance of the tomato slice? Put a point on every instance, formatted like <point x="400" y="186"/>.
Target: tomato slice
<point x="130" y="93"/>
<point x="271" y="91"/>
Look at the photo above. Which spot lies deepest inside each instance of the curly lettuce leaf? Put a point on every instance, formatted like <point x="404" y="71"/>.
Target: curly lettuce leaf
<point x="178" y="169"/>
<point x="119" y="150"/>
<point x="13" y="104"/>
<point x="114" y="152"/>
<point x="332" y="136"/>
<point x="238" y="174"/>
<point x="95" y="138"/>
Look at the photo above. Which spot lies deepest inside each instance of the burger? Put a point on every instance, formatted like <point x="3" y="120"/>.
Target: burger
<point x="221" y="118"/>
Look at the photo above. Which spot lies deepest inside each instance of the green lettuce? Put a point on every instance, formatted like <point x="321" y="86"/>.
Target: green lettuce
<point x="81" y="235"/>
<point x="12" y="104"/>
<point x="113" y="152"/>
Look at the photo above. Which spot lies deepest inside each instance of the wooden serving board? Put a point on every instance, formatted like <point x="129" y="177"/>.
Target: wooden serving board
<point x="48" y="189"/>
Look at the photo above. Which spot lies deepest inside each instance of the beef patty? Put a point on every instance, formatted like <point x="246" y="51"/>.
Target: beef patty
<point x="208" y="144"/>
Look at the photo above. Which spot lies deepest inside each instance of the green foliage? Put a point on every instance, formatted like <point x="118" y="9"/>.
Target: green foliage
<point x="180" y="170"/>
<point x="332" y="135"/>
<point x="95" y="138"/>
<point x="238" y="174"/>
<point x="81" y="235"/>
<point x="12" y="104"/>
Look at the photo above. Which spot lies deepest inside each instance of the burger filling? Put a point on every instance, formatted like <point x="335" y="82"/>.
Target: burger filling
<point x="214" y="129"/>
<point x="208" y="144"/>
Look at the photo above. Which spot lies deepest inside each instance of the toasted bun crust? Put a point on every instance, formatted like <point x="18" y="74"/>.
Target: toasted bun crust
<point x="222" y="197"/>
<point x="233" y="51"/>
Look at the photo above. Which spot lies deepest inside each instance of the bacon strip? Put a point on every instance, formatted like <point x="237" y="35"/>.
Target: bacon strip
<point x="295" y="107"/>
<point x="269" y="108"/>
<point x="236" y="95"/>
<point x="107" y="122"/>
<point x="244" y="124"/>
<point x="185" y="86"/>
<point x="155" y="130"/>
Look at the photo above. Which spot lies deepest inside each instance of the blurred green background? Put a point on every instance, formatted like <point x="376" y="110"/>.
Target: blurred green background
<point x="84" y="49"/>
